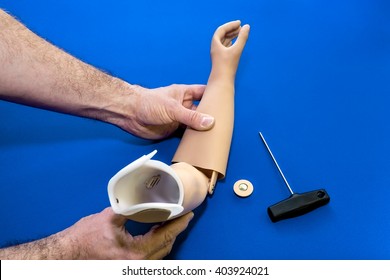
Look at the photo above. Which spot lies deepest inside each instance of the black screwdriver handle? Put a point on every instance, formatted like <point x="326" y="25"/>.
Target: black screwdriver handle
<point x="298" y="204"/>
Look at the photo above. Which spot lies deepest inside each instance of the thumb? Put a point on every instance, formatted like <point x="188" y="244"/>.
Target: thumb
<point x="115" y="219"/>
<point x="194" y="119"/>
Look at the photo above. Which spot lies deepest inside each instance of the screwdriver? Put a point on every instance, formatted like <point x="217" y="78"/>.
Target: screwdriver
<point x="296" y="204"/>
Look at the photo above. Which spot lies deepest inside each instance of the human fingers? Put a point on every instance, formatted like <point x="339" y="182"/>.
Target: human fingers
<point x="194" y="119"/>
<point x="183" y="111"/>
<point x="165" y="235"/>
<point x="193" y="92"/>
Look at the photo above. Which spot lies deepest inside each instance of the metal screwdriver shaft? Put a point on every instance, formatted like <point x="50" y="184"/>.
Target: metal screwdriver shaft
<point x="297" y="203"/>
<point x="276" y="163"/>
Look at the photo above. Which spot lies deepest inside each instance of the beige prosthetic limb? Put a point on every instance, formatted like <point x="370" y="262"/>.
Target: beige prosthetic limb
<point x="208" y="151"/>
<point x="151" y="191"/>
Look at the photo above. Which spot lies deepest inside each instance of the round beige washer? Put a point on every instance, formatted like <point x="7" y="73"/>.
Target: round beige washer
<point x="243" y="188"/>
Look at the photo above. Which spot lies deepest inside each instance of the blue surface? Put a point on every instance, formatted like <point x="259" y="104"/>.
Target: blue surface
<point x="314" y="78"/>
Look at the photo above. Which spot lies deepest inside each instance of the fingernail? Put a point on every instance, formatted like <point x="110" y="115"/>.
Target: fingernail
<point x="207" y="122"/>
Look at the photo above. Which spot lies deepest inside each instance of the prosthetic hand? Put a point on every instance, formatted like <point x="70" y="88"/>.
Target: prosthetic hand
<point x="151" y="191"/>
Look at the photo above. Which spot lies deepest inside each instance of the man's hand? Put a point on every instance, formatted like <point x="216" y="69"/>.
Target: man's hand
<point x="158" y="112"/>
<point x="35" y="73"/>
<point x="102" y="236"/>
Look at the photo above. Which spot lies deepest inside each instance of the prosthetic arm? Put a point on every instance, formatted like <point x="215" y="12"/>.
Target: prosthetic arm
<point x="151" y="191"/>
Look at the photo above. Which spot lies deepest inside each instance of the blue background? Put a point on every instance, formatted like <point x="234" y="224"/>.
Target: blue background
<point x="314" y="78"/>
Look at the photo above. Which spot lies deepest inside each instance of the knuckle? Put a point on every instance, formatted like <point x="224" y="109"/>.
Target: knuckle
<point x="169" y="238"/>
<point x="193" y="116"/>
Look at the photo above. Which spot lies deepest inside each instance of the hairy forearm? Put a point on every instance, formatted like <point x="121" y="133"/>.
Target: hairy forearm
<point x="56" y="246"/>
<point x="36" y="73"/>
